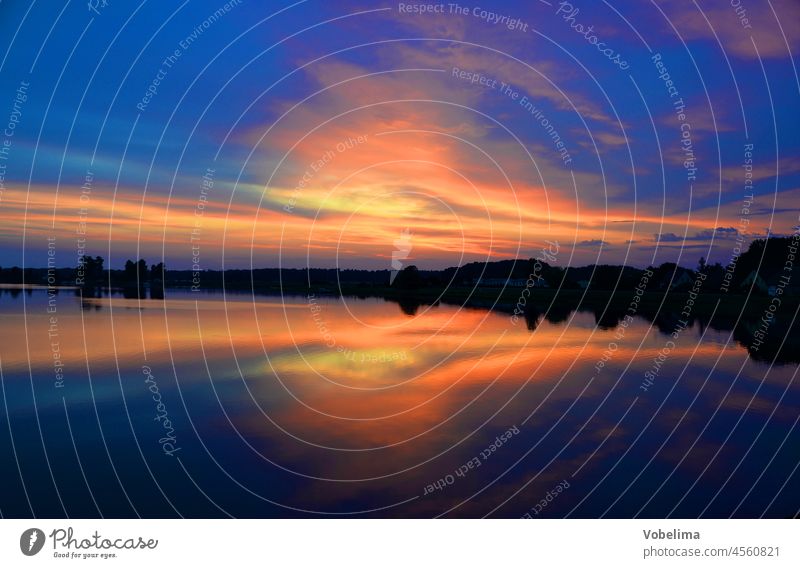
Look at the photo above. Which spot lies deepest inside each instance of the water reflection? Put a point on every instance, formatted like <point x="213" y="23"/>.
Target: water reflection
<point x="292" y="406"/>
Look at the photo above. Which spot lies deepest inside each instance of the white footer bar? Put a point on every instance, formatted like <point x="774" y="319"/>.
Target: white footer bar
<point x="355" y="543"/>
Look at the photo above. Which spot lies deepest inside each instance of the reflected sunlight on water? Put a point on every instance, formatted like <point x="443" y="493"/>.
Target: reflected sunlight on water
<point x="342" y="405"/>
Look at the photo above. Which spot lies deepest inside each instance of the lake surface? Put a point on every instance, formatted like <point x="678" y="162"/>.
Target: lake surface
<point x="212" y="404"/>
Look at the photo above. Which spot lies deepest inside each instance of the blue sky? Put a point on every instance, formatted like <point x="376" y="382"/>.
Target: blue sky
<point x="261" y="91"/>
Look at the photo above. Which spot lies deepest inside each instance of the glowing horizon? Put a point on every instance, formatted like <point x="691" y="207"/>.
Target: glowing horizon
<point x="433" y="124"/>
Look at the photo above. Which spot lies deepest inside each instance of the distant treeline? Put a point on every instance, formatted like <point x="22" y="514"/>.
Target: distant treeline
<point x="90" y="272"/>
<point x="759" y="269"/>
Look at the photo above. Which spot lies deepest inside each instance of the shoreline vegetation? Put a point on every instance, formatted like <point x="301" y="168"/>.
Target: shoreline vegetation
<point x="755" y="295"/>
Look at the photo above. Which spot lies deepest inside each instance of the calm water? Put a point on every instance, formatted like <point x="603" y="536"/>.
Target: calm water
<point x="356" y="406"/>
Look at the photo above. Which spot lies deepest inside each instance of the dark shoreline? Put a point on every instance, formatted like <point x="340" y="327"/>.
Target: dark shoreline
<point x="668" y="310"/>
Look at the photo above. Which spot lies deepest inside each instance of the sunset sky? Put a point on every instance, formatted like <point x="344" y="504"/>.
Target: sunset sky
<point x="314" y="133"/>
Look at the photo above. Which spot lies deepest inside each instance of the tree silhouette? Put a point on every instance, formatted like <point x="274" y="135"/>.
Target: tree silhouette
<point x="92" y="270"/>
<point x="408" y="279"/>
<point x="136" y="273"/>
